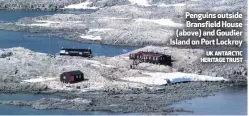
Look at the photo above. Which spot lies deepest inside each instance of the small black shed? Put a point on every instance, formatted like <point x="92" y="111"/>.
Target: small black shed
<point x="72" y="76"/>
<point x="76" y="52"/>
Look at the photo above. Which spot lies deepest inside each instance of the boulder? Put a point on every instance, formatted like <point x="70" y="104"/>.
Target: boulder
<point x="4" y="54"/>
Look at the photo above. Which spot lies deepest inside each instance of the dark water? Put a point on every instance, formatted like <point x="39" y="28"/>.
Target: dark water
<point x="10" y="39"/>
<point x="228" y="102"/>
<point x="12" y="16"/>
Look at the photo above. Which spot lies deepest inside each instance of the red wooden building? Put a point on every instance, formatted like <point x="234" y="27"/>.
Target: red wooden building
<point x="152" y="57"/>
<point x="72" y="76"/>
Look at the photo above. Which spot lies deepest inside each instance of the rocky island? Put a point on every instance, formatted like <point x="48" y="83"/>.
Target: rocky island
<point x="111" y="81"/>
<point x="111" y="84"/>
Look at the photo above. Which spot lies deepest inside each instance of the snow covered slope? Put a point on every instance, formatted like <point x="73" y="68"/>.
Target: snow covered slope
<point x="158" y="78"/>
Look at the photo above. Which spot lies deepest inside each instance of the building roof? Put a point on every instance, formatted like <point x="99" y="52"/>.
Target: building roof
<point x="148" y="54"/>
<point x="76" y="72"/>
<point x="73" y="49"/>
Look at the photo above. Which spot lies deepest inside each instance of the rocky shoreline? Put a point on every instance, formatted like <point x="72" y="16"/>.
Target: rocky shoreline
<point x="144" y="101"/>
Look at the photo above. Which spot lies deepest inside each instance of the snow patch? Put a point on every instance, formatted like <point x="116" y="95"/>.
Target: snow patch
<point x="164" y="22"/>
<point x="91" y="37"/>
<point x="91" y="61"/>
<point x="43" y="23"/>
<point x="46" y="21"/>
<point x="140" y="2"/>
<point x="40" y="79"/>
<point x="171" y="5"/>
<point x="83" y="5"/>
<point x="100" y="30"/>
<point x="112" y="18"/>
<point x="2" y="52"/>
<point x="159" y="78"/>
<point x="98" y="64"/>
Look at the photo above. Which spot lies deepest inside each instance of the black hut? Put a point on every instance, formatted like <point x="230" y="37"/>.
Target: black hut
<point x="76" y="52"/>
<point x="72" y="76"/>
